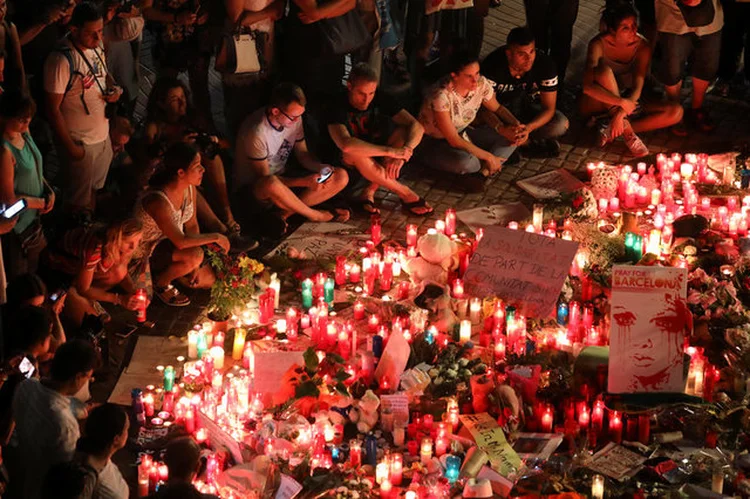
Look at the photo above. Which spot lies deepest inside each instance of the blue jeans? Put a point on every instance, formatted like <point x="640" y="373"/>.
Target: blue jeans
<point x="438" y="153"/>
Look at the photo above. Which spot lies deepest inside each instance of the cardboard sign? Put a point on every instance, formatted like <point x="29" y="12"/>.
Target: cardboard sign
<point x="526" y="270"/>
<point x="551" y="184"/>
<point x="322" y="241"/>
<point x="649" y="318"/>
<point x="496" y="214"/>
<point x="490" y="438"/>
<point x="438" y="5"/>
<point x="616" y="462"/>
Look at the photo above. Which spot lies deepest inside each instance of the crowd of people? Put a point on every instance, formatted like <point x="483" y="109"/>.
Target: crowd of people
<point x="106" y="205"/>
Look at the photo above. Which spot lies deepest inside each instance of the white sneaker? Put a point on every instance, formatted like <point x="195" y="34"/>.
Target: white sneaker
<point x="635" y="145"/>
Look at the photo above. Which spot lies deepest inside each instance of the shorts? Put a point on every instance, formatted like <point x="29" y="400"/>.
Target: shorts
<point x="677" y="49"/>
<point x="88" y="174"/>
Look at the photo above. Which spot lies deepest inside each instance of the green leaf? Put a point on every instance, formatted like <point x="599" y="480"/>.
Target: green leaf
<point x="311" y="360"/>
<point x="341" y="388"/>
<point x="306" y="389"/>
<point x="342" y="375"/>
<point x="338" y="359"/>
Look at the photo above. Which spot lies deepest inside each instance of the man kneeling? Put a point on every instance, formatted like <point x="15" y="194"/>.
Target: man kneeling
<point x="264" y="143"/>
<point x="377" y="137"/>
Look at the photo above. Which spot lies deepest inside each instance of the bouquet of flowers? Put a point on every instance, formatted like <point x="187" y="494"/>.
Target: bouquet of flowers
<point x="235" y="282"/>
<point x="710" y="298"/>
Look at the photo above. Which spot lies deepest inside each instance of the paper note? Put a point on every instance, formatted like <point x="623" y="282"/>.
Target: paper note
<point x="490" y="438"/>
<point x="526" y="270"/>
<point x="551" y="184"/>
<point x="288" y="489"/>
<point x="496" y="214"/>
<point x="649" y="321"/>
<point x="616" y="462"/>
<point x="322" y="241"/>
<point x="219" y="437"/>
<point x="398" y="404"/>
<point x="394" y="359"/>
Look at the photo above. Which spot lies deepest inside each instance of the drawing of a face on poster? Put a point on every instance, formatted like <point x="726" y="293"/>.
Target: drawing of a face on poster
<point x="647" y="337"/>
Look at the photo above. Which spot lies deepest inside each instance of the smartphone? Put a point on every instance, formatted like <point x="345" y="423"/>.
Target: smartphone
<point x="127" y="332"/>
<point x="325" y="174"/>
<point x="26" y="367"/>
<point x="14" y="209"/>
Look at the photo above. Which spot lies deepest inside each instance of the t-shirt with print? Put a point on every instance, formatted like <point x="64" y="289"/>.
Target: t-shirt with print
<point x="371" y="125"/>
<point x="462" y="110"/>
<point x="83" y="104"/>
<point x="509" y="89"/>
<point x="79" y="249"/>
<point x="257" y="140"/>
<point x="669" y="19"/>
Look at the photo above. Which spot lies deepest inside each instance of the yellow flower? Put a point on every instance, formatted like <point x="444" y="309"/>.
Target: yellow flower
<point x="250" y="264"/>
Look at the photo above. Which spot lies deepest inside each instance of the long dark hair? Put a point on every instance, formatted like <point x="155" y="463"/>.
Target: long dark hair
<point x="177" y="157"/>
<point x="615" y="12"/>
<point x="155" y="111"/>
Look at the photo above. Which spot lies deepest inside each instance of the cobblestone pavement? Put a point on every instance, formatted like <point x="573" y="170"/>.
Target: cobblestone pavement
<point x="731" y="116"/>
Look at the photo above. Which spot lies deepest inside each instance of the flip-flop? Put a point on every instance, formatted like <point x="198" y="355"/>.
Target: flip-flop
<point x="339" y="217"/>
<point x="419" y="203"/>
<point x="172" y="296"/>
<point x="366" y="206"/>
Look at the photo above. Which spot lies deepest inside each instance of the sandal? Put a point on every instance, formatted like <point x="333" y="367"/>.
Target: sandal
<point x="234" y="229"/>
<point x="340" y="217"/>
<point x="172" y="296"/>
<point x="366" y="206"/>
<point x="415" y="205"/>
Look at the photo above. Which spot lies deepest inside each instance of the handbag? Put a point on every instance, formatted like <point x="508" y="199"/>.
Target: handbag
<point x="241" y="52"/>
<point x="342" y="35"/>
<point x="701" y="15"/>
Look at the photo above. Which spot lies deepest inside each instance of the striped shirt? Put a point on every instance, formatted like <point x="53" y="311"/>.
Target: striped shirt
<point x="46" y="432"/>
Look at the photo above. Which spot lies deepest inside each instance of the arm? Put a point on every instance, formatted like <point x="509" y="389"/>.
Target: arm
<point x="84" y="288"/>
<point x="352" y="145"/>
<point x="7" y="174"/>
<point x="57" y="122"/>
<point x="157" y="207"/>
<point x="548" y="101"/>
<point x="16" y="42"/>
<point x="305" y="157"/>
<point x="590" y="86"/>
<point x="414" y="128"/>
<point x="444" y="124"/>
<point x="643" y="59"/>
<point x="312" y="13"/>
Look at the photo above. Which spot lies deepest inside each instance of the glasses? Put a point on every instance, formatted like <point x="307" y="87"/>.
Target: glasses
<point x="290" y="118"/>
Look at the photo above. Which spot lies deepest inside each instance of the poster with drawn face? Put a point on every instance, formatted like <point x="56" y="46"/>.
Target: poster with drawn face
<point x="649" y="321"/>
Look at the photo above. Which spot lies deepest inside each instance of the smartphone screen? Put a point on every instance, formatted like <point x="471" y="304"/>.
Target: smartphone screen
<point x="325" y="174"/>
<point x="15" y="208"/>
<point x="26" y="367"/>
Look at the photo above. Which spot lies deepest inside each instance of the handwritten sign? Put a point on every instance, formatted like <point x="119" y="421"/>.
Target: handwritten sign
<point x="219" y="437"/>
<point x="496" y="214"/>
<point x="321" y="241"/>
<point x="551" y="184"/>
<point x="270" y="360"/>
<point x="438" y="5"/>
<point x="616" y="462"/>
<point x="649" y="321"/>
<point x="398" y="404"/>
<point x="527" y="270"/>
<point x="490" y="438"/>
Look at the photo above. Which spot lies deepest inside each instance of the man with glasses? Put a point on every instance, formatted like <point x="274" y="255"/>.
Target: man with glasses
<point x="264" y="145"/>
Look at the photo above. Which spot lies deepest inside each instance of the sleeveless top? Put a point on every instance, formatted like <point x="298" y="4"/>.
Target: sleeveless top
<point x="27" y="177"/>
<point x="623" y="70"/>
<point x="152" y="233"/>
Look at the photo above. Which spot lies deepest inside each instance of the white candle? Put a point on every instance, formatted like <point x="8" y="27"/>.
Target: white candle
<point x="475" y="310"/>
<point x="281" y="326"/>
<point x="597" y="487"/>
<point x="465" y="332"/>
<point x="193" y="344"/>
<point x="276" y="286"/>
<point x="218" y="355"/>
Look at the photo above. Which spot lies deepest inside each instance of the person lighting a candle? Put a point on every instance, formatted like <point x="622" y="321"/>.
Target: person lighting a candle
<point x="616" y="66"/>
<point x="377" y="137"/>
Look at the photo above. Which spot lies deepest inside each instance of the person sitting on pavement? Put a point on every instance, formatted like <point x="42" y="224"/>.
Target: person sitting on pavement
<point x="527" y="86"/>
<point x="172" y="244"/>
<point x="264" y="145"/>
<point x="451" y="143"/>
<point x="377" y="137"/>
<point x="616" y="67"/>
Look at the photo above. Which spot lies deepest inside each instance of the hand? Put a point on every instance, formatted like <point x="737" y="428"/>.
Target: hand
<point x="223" y="242"/>
<point x="628" y="105"/>
<point x="59" y="305"/>
<point x="186" y="18"/>
<point x="277" y="12"/>
<point x="493" y="163"/>
<point x="509" y="132"/>
<point x="130" y="302"/>
<point x="310" y="17"/>
<point x="7" y="224"/>
<point x="522" y="135"/>
<point x="113" y="94"/>
<point x="133" y="12"/>
<point x="76" y="152"/>
<point x="393" y="167"/>
<point x="403" y="153"/>
<point x="49" y="204"/>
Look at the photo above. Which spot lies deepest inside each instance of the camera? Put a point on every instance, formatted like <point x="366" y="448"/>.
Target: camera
<point x="205" y="143"/>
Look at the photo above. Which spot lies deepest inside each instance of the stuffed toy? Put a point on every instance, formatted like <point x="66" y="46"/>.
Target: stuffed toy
<point x="438" y="255"/>
<point x="365" y="412"/>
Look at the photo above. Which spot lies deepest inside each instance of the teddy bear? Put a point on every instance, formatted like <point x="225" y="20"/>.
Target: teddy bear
<point x="364" y="413"/>
<point x="437" y="256"/>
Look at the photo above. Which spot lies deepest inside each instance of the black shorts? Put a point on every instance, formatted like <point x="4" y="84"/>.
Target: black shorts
<point x="677" y="49"/>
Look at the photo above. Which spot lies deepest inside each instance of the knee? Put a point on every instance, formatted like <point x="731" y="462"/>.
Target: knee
<point x="118" y="273"/>
<point x="339" y="179"/>
<point x="675" y="112"/>
<point x="557" y="126"/>
<point x="264" y="187"/>
<point x="194" y="257"/>
<point x="602" y="71"/>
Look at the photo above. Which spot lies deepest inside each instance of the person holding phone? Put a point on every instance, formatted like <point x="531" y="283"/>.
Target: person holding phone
<point x="264" y="147"/>
<point x="21" y="178"/>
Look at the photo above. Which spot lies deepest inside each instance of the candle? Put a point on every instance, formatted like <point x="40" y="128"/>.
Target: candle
<point x="397" y="467"/>
<point x="193" y="344"/>
<point x="148" y="404"/>
<point x="597" y="415"/>
<point x="597" y="487"/>
<point x="440" y="226"/>
<point x="450" y="222"/>
<point x="458" y="288"/>
<point x="475" y="310"/>
<point x="238" y="346"/>
<point x="354" y="273"/>
<point x="411" y="235"/>
<point x="168" y="379"/>
<point x="375" y="229"/>
<point x="465" y="331"/>
<point x="513" y="225"/>
<point x="381" y="472"/>
<point x="217" y="353"/>
<point x="386" y="489"/>
<point x="307" y="294"/>
<point x="546" y="424"/>
<point x="425" y="452"/>
<point x="500" y="348"/>
<point x="276" y="287"/>
<point x="584" y="418"/>
<point x="328" y="287"/>
<point x="340" y="273"/>
<point x="355" y="453"/>
<point x="615" y="427"/>
<point x="372" y="323"/>
<point x="441" y="446"/>
<point x="538" y="217"/>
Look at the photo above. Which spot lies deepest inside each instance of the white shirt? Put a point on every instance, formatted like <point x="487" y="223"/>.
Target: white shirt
<point x="462" y="110"/>
<point x="46" y="431"/>
<point x="91" y="127"/>
<point x="669" y="19"/>
<point x="111" y="484"/>
<point x="257" y="140"/>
